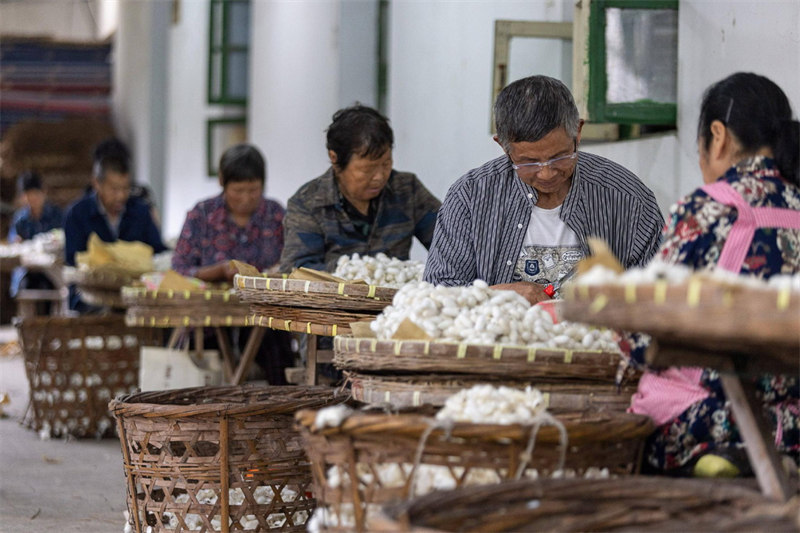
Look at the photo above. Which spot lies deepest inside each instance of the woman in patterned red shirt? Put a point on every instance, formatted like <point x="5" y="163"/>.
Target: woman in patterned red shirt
<point x="238" y="224"/>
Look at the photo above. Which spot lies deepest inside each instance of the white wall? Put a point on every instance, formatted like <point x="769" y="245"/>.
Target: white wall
<point x="78" y="20"/>
<point x="719" y="38"/>
<point x="140" y="78"/>
<point x="440" y="82"/>
<point x="187" y="179"/>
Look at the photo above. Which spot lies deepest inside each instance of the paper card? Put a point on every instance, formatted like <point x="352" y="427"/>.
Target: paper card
<point x="408" y="330"/>
<point x="173" y="280"/>
<point x="601" y="255"/>
<point x="362" y="330"/>
<point x="244" y="269"/>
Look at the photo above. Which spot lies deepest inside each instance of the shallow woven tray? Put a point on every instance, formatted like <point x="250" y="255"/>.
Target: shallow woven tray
<point x="412" y="390"/>
<point x="627" y="504"/>
<point x="314" y="321"/>
<point x="718" y="316"/>
<point x="74" y="367"/>
<point x="607" y="440"/>
<point x="313" y="294"/>
<point x="215" y="439"/>
<point x="372" y="355"/>
<point x="140" y="296"/>
<point x="168" y="308"/>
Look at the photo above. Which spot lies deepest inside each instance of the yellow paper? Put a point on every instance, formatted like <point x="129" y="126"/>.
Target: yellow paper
<point x="408" y="330"/>
<point x="174" y="281"/>
<point x="362" y="330"/>
<point x="129" y="257"/>
<point x="245" y="269"/>
<point x="601" y="255"/>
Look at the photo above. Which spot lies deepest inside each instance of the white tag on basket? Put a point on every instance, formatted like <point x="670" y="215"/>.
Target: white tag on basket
<point x="172" y="368"/>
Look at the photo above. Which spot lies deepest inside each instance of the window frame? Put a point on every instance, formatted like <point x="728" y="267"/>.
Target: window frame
<point x="213" y="153"/>
<point x="599" y="110"/>
<point x="224" y="49"/>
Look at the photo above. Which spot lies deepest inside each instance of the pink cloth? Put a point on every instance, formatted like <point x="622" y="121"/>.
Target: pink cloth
<point x="665" y="395"/>
<point x="734" y="252"/>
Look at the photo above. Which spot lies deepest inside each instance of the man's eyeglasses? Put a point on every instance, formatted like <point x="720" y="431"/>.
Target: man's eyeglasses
<point x="559" y="163"/>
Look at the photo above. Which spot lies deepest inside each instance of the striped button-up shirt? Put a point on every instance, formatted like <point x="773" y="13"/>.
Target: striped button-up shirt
<point x="483" y="219"/>
<point x="318" y="229"/>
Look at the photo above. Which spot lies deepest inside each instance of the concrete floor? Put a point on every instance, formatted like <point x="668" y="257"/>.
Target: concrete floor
<point x="55" y="485"/>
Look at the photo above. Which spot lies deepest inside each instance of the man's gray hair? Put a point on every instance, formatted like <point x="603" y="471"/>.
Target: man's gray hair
<point x="530" y="108"/>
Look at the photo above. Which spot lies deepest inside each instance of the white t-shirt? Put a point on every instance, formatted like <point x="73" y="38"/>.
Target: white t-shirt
<point x="550" y="249"/>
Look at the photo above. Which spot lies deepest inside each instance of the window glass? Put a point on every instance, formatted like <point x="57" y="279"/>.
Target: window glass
<point x="641" y="55"/>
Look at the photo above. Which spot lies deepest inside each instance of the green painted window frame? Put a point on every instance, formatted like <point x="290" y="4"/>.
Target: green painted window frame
<point x="600" y="110"/>
<point x="213" y="152"/>
<point x="224" y="49"/>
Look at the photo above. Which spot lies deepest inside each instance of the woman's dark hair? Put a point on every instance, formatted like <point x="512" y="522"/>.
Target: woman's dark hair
<point x="758" y="113"/>
<point x="359" y="130"/>
<point x="111" y="154"/>
<point x="29" y="180"/>
<point x="242" y="162"/>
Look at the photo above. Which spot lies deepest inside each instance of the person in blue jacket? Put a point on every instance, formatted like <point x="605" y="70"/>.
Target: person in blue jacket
<point x="108" y="209"/>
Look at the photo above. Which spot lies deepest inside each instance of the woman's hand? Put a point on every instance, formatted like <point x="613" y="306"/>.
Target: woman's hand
<point x="222" y="271"/>
<point x="532" y="292"/>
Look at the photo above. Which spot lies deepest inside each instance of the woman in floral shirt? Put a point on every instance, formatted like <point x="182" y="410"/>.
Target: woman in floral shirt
<point x="749" y="152"/>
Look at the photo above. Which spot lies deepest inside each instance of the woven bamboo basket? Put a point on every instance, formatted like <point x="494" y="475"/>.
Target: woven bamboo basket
<point x="626" y="504"/>
<point x="101" y="297"/>
<point x="366" y="444"/>
<point x="74" y="366"/>
<point x="710" y="314"/>
<point x="313" y="294"/>
<point x="170" y="308"/>
<point x="101" y="278"/>
<point x="413" y="390"/>
<point x="217" y="458"/>
<point x="315" y="321"/>
<point x="519" y="362"/>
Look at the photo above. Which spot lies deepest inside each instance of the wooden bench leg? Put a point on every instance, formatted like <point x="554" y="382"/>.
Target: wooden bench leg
<point x="755" y="431"/>
<point x="249" y="355"/>
<point x="311" y="360"/>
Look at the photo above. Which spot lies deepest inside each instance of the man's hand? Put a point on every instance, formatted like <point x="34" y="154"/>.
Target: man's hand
<point x="532" y="292"/>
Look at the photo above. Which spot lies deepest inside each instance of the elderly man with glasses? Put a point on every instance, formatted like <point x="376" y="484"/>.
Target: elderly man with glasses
<point x="521" y="222"/>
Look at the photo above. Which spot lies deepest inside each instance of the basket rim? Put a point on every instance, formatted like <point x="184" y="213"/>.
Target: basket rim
<point x="298" y="287"/>
<point x="594" y="427"/>
<point x="396" y="345"/>
<point x="145" y="404"/>
<point x="142" y="295"/>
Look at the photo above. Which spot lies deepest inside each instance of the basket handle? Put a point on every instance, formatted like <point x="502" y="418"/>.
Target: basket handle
<point x="447" y="425"/>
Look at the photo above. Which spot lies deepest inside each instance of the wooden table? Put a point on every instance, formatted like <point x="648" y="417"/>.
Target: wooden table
<point x="739" y="330"/>
<point x="193" y="311"/>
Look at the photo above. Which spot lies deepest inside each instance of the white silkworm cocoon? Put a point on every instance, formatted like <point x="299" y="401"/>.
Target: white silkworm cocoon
<point x="379" y="270"/>
<point x="480" y="315"/>
<point x="331" y="417"/>
<point x="493" y="405"/>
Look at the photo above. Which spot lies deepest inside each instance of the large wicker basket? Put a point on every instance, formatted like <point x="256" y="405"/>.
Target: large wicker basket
<point x="367" y="444"/>
<point x="217" y="458"/>
<point x="625" y="504"/>
<point x="413" y="390"/>
<point x="75" y="365"/>
<point x="519" y="362"/>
